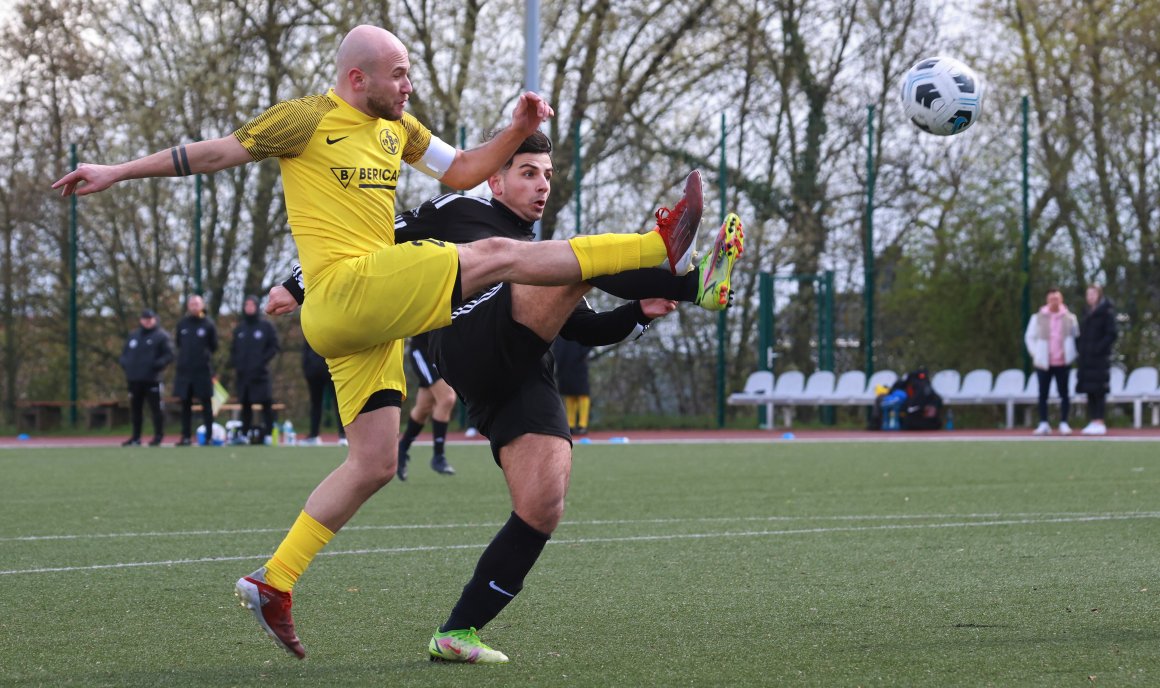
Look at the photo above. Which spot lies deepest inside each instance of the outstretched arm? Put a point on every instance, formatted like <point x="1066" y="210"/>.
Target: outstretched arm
<point x="471" y="167"/>
<point x="630" y="320"/>
<point x="181" y="160"/>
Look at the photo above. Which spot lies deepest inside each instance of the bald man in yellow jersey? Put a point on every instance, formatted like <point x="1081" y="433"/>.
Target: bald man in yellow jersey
<point x="340" y="155"/>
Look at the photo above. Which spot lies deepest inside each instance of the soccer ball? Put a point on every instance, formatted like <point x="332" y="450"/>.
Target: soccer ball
<point x="941" y="95"/>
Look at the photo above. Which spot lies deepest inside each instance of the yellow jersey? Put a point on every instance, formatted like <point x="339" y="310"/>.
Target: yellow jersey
<point x="339" y="169"/>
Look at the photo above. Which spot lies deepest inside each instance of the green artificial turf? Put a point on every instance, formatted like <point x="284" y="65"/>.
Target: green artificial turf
<point x="932" y="563"/>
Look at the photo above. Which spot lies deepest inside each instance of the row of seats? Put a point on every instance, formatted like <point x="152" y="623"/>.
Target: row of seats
<point x="1008" y="388"/>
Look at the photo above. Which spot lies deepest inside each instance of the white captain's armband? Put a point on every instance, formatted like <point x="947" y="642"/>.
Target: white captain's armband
<point x="437" y="159"/>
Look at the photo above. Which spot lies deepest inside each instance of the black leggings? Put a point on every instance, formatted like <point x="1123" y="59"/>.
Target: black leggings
<point x="187" y="418"/>
<point x="248" y="414"/>
<point x="1097" y="404"/>
<point x="1060" y="375"/>
<point x="141" y="393"/>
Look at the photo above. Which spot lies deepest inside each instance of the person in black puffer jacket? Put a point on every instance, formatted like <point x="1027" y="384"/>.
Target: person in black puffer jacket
<point x="1097" y="333"/>
<point x="196" y="342"/>
<point x="146" y="353"/>
<point x="254" y="346"/>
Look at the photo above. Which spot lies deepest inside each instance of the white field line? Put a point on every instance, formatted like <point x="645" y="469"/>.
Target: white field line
<point x="497" y="524"/>
<point x="630" y="538"/>
<point x="774" y="437"/>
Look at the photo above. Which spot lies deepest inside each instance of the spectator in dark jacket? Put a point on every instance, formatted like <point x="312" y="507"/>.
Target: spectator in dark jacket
<point x="1097" y="333"/>
<point x="146" y="353"/>
<point x="196" y="343"/>
<point x="318" y="382"/>
<point x="255" y="344"/>
<point x="572" y="379"/>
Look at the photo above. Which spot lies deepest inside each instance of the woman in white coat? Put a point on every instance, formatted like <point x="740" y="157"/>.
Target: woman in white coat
<point x="1050" y="339"/>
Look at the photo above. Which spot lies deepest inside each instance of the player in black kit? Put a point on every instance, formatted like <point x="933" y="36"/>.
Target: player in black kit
<point x="496" y="355"/>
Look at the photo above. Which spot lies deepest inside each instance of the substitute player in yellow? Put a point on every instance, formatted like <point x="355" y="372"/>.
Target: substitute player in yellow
<point x="340" y="155"/>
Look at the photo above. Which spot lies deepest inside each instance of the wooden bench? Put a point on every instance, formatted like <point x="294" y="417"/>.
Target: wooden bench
<point x="39" y="416"/>
<point x="106" y="414"/>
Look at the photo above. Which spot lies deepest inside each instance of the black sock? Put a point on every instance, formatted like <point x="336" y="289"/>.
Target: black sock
<point x="409" y="435"/>
<point x="648" y="283"/>
<point x="499" y="575"/>
<point x="439" y="430"/>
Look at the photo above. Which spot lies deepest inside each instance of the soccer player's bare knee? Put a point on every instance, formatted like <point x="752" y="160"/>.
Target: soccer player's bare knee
<point x="423" y="405"/>
<point x="544" y="310"/>
<point x="373" y="467"/>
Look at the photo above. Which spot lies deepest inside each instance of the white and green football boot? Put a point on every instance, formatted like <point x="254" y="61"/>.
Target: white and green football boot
<point x="463" y="645"/>
<point x="713" y="273"/>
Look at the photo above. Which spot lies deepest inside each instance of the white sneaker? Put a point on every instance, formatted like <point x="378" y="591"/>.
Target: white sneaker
<point x="1095" y="429"/>
<point x="310" y="442"/>
<point x="342" y="442"/>
<point x="1042" y="429"/>
<point x="1064" y="428"/>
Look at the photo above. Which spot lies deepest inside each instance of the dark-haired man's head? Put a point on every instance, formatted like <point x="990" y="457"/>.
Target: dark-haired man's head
<point x="538" y="142"/>
<point x="524" y="183"/>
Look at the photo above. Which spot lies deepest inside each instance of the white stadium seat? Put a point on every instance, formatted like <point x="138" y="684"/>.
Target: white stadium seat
<point x="946" y="383"/>
<point x="976" y="388"/>
<point x="849" y="390"/>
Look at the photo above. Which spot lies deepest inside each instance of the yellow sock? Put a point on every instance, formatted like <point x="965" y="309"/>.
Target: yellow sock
<point x="572" y="408"/>
<point x="585" y="406"/>
<point x="608" y="254"/>
<point x="306" y="539"/>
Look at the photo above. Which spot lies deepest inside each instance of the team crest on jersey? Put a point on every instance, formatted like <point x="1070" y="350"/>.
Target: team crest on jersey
<point x="390" y="141"/>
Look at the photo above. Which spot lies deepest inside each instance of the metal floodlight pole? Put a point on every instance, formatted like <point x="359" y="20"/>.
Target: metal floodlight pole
<point x="532" y="66"/>
<point x="1026" y="237"/>
<point x="868" y="259"/>
<point x="531" y="45"/>
<point x="72" y="297"/>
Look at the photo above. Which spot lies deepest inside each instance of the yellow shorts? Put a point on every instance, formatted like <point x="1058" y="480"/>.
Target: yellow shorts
<point x="358" y="310"/>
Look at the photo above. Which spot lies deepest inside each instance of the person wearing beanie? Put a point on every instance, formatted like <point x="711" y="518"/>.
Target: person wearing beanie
<point x="255" y="344"/>
<point x="1096" y="337"/>
<point x="196" y="344"/>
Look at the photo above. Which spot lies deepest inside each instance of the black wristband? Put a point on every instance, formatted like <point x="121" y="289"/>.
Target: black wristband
<point x="295" y="290"/>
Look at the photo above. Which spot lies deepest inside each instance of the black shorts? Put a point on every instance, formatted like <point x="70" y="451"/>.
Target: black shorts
<point x="502" y="370"/>
<point x="426" y="372"/>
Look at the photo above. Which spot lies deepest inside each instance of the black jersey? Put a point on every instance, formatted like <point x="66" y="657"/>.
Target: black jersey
<point x="459" y="219"/>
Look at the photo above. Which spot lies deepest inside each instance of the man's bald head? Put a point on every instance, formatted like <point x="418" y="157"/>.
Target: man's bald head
<point x="372" y="66"/>
<point x="365" y="45"/>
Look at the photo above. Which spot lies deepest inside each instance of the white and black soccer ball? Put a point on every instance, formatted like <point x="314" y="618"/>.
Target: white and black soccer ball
<point x="941" y="95"/>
